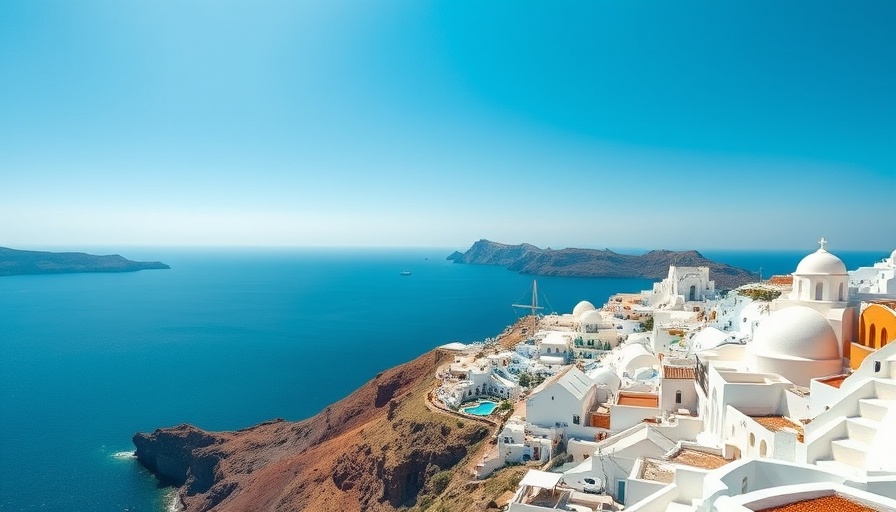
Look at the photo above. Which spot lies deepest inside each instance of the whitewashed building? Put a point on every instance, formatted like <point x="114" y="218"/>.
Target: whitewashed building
<point x="564" y="400"/>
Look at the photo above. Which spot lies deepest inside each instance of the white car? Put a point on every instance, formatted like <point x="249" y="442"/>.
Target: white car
<point x="589" y="485"/>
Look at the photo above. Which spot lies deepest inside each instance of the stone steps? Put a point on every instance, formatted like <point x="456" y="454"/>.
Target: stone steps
<point x="862" y="429"/>
<point x="850" y="451"/>
<point x="875" y="408"/>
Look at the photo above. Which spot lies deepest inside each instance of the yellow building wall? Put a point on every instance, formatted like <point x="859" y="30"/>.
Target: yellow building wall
<point x="877" y="328"/>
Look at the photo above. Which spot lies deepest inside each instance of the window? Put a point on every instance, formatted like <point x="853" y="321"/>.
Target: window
<point x="819" y="288"/>
<point x="678" y="397"/>
<point x="763" y="448"/>
<point x="575" y="419"/>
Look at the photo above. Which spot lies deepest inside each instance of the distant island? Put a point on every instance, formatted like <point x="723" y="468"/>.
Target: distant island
<point x="529" y="259"/>
<point x="15" y="262"/>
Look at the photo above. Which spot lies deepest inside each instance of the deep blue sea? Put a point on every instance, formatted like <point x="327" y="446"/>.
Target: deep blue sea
<point x="229" y="338"/>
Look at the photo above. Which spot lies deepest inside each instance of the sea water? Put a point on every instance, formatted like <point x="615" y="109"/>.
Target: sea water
<point x="226" y="339"/>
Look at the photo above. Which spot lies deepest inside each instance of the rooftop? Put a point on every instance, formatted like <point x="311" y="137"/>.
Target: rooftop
<point x="781" y="280"/>
<point x="887" y="303"/>
<point x="679" y="372"/>
<point x="634" y="400"/>
<point x="778" y="423"/>
<point x="834" y="381"/>
<point x="825" y="503"/>
<point x="657" y="471"/>
<point x="698" y="459"/>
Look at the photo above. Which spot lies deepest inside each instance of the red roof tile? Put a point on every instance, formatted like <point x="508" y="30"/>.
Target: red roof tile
<point x="679" y="372"/>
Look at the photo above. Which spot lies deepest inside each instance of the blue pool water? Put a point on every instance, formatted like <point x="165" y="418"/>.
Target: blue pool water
<point x="483" y="409"/>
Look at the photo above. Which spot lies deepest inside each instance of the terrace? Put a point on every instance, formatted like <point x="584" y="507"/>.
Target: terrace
<point x="780" y="423"/>
<point x="542" y="490"/>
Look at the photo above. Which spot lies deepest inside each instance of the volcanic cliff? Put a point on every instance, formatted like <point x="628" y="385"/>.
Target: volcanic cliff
<point x="382" y="448"/>
<point x="529" y="259"/>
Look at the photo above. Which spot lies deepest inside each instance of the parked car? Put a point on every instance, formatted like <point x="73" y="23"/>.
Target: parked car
<point x="588" y="485"/>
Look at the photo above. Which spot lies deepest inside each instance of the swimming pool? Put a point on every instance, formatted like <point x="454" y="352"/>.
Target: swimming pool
<point x="483" y="409"/>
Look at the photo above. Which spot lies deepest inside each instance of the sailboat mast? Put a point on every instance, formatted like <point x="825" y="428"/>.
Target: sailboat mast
<point x="534" y="306"/>
<point x="534" y="296"/>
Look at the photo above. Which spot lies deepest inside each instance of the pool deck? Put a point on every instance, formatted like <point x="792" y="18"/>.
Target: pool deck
<point x="466" y="409"/>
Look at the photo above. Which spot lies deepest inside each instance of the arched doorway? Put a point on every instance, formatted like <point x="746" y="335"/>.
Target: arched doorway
<point x="693" y="293"/>
<point x="819" y="290"/>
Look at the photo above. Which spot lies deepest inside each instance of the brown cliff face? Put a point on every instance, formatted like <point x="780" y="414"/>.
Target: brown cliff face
<point x="379" y="449"/>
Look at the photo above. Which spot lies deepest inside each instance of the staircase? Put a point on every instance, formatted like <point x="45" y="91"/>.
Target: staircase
<point x="851" y="453"/>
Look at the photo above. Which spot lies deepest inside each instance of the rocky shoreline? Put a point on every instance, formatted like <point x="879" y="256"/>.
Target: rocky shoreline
<point x="382" y="448"/>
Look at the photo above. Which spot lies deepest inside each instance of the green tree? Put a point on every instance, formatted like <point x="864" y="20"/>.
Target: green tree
<point x="525" y="380"/>
<point x="647" y="325"/>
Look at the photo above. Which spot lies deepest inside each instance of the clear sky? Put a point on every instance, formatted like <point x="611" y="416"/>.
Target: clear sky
<point x="704" y="124"/>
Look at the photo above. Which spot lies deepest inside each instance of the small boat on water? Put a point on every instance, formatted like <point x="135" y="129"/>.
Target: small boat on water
<point x="405" y="273"/>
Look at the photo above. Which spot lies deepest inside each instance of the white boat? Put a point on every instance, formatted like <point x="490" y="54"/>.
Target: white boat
<point x="405" y="272"/>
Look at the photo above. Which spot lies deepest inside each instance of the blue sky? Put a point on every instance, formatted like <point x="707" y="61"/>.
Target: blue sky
<point x="760" y="124"/>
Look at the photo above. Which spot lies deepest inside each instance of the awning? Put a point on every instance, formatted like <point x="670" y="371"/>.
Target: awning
<point x="543" y="479"/>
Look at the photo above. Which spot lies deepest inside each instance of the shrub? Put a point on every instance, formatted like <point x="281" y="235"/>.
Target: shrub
<point x="440" y="481"/>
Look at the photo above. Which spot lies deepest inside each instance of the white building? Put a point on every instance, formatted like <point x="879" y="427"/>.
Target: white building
<point x="564" y="400"/>
<point x="479" y="378"/>
<point x="820" y="282"/>
<point x="554" y="349"/>
<point x="771" y="387"/>
<point x="750" y="484"/>
<point x="613" y="458"/>
<point x="683" y="284"/>
<point x="879" y="279"/>
<point x="515" y="446"/>
<point x="796" y="343"/>
<point x="635" y="362"/>
<point x="678" y="387"/>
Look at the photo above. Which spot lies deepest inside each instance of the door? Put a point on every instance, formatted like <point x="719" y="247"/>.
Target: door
<point x="620" y="491"/>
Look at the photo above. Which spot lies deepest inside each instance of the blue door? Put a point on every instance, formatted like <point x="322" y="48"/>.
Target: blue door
<point x="620" y="491"/>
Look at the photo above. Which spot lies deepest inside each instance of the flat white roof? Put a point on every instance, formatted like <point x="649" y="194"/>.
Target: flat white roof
<point x="542" y="479"/>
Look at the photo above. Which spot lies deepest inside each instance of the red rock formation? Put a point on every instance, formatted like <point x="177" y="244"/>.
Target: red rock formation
<point x="378" y="449"/>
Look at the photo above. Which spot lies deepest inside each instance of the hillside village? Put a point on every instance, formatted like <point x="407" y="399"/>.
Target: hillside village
<point x="778" y="395"/>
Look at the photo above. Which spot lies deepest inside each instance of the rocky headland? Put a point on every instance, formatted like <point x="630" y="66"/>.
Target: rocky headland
<point x="17" y="262"/>
<point x="385" y="447"/>
<point x="529" y="259"/>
